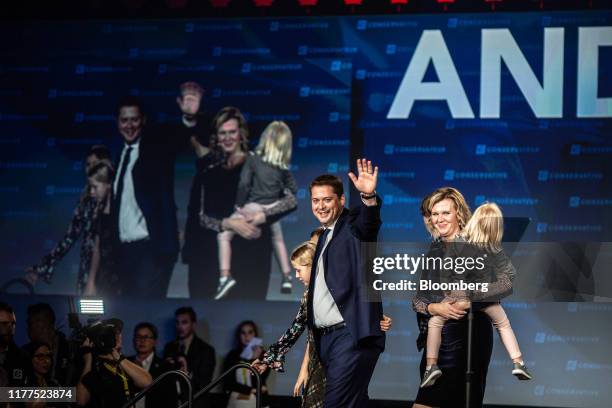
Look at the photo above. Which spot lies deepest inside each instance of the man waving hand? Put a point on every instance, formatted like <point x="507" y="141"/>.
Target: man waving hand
<point x="344" y="319"/>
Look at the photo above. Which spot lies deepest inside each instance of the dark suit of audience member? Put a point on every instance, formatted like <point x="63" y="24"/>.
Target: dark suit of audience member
<point x="165" y="395"/>
<point x="15" y="364"/>
<point x="201" y="362"/>
<point x="144" y="207"/>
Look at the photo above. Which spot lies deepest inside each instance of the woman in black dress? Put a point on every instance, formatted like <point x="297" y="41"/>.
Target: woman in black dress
<point x="445" y="213"/>
<point x="211" y="203"/>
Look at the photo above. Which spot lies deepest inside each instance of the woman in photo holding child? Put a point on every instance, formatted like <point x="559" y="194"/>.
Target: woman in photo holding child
<point x="264" y="180"/>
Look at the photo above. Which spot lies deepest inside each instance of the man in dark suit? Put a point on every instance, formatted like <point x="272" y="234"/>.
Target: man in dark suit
<point x="342" y="311"/>
<point x="15" y="365"/>
<point x="145" y="342"/>
<point x="143" y="206"/>
<point x="192" y="354"/>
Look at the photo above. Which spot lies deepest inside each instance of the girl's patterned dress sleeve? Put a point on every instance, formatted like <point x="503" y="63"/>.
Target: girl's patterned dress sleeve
<point x="81" y="221"/>
<point x="275" y="356"/>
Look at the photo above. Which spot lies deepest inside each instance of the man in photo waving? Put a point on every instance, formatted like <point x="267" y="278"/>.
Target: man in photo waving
<point x="344" y="318"/>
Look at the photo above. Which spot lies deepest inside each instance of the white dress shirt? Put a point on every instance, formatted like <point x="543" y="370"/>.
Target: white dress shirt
<point x="132" y="224"/>
<point x="146" y="364"/>
<point x="326" y="312"/>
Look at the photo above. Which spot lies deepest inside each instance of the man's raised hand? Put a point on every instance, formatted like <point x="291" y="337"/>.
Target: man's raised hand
<point x="367" y="177"/>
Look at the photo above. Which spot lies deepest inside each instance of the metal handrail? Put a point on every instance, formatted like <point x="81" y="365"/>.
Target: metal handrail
<point x="225" y="374"/>
<point x="156" y="383"/>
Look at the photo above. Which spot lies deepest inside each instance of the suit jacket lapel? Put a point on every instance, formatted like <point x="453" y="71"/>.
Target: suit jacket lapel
<point x="339" y="224"/>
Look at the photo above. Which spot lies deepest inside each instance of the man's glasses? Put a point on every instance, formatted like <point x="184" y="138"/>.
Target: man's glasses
<point x="144" y="338"/>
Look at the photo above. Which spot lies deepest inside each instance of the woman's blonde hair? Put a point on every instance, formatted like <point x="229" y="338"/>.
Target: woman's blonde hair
<point x="304" y="253"/>
<point x="275" y="145"/>
<point x="486" y="227"/>
<point x="461" y="206"/>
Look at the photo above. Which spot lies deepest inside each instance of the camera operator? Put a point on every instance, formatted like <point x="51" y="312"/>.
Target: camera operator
<point x="109" y="379"/>
<point x="191" y="354"/>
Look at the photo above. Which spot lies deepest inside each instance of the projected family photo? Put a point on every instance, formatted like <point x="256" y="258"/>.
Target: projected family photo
<point x="188" y="188"/>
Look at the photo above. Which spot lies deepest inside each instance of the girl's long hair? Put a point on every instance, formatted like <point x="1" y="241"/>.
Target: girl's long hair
<point x="304" y="253"/>
<point x="102" y="153"/>
<point x="275" y="145"/>
<point x="486" y="227"/>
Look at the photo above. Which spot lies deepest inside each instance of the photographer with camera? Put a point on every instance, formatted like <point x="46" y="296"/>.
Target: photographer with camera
<point x="108" y="380"/>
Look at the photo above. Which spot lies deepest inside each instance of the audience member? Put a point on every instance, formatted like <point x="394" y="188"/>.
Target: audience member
<point x="42" y="362"/>
<point x="41" y="330"/>
<point x="190" y="353"/>
<point x="14" y="362"/>
<point x="145" y="343"/>
<point x="241" y="385"/>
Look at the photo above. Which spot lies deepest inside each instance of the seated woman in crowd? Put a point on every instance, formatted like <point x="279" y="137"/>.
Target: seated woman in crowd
<point x="241" y="385"/>
<point x="42" y="362"/>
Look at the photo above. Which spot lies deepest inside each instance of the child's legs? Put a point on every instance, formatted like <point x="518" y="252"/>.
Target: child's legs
<point x="224" y="242"/>
<point x="434" y="338"/>
<point x="501" y="322"/>
<point x="280" y="250"/>
<point x="252" y="208"/>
